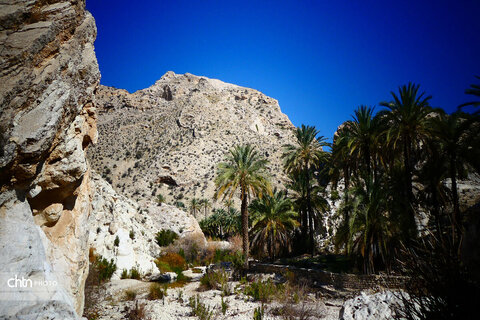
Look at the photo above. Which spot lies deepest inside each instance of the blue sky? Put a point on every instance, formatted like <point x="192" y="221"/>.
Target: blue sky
<point x="319" y="59"/>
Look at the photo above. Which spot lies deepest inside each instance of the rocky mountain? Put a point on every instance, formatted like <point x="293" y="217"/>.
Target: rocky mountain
<point x="48" y="73"/>
<point x="167" y="139"/>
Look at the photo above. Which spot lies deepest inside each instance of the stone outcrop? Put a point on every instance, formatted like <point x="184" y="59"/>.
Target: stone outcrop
<point x="167" y="139"/>
<point x="135" y="226"/>
<point x="48" y="72"/>
<point x="378" y="306"/>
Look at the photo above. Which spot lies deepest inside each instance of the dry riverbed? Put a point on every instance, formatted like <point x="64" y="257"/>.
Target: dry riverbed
<point x="112" y="303"/>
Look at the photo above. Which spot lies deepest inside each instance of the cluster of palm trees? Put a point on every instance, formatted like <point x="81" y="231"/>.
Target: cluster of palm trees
<point x="199" y="205"/>
<point x="222" y="224"/>
<point x="394" y="165"/>
<point x="274" y="215"/>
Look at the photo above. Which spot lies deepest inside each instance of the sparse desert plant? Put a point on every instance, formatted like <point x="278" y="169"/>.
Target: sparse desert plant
<point x="116" y="242"/>
<point x="156" y="292"/>
<point x="160" y="199"/>
<point x="132" y="234"/>
<point x="134" y="274"/>
<point x="105" y="268"/>
<point x="199" y="309"/>
<point x="130" y="294"/>
<point x="214" y="280"/>
<point x="138" y="313"/>
<point x="224" y="306"/>
<point x="258" y="313"/>
<point x="262" y="291"/>
<point x="124" y="274"/>
<point x="165" y="237"/>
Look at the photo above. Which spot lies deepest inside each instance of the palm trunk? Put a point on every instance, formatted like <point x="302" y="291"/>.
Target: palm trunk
<point x="310" y="213"/>
<point x="456" y="221"/>
<point x="244" y="213"/>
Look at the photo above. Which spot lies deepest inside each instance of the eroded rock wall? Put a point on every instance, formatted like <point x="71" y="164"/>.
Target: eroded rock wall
<point x="48" y="75"/>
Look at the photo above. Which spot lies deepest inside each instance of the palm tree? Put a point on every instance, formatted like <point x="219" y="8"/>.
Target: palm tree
<point x="195" y="205"/>
<point x="243" y="171"/>
<point x="475" y="91"/>
<point x="408" y="121"/>
<point x="362" y="137"/>
<point x="453" y="133"/>
<point x="273" y="221"/>
<point x="205" y="204"/>
<point x="367" y="232"/>
<point x="302" y="158"/>
<point x="228" y="204"/>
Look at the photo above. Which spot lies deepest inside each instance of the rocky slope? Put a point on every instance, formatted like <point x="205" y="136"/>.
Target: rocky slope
<point x="167" y="139"/>
<point x="116" y="216"/>
<point x="48" y="73"/>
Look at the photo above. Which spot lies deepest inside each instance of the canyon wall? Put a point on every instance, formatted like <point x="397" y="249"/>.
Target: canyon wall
<point x="48" y="75"/>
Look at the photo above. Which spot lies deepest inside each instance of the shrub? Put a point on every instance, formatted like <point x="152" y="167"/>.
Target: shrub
<point x="138" y="313"/>
<point x="258" y="313"/>
<point x="124" y="274"/>
<point x="262" y="290"/>
<point x="163" y="266"/>
<point x="160" y="199"/>
<point x="132" y="234"/>
<point x="105" y="268"/>
<point x="224" y="306"/>
<point x="166" y="237"/>
<point x="199" y="309"/>
<point x="116" y="242"/>
<point x="174" y="261"/>
<point x="135" y="274"/>
<point x="214" y="280"/>
<point x="130" y="295"/>
<point x="156" y="292"/>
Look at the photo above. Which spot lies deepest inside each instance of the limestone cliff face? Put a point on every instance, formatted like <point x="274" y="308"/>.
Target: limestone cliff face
<point x="167" y="139"/>
<point x="48" y="74"/>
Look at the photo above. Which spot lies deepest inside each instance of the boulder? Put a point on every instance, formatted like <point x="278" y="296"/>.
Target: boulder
<point x="377" y="306"/>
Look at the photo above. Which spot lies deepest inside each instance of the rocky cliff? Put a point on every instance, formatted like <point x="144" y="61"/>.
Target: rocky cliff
<point x="167" y="139"/>
<point x="117" y="216"/>
<point x="48" y="73"/>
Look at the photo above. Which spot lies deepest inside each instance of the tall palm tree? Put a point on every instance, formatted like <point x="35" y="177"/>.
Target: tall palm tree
<point x="362" y="137"/>
<point x="195" y="205"/>
<point x="205" y="204"/>
<point x="273" y="221"/>
<point x="407" y="118"/>
<point x="302" y="158"/>
<point x="453" y="133"/>
<point x="244" y="171"/>
<point x="368" y="231"/>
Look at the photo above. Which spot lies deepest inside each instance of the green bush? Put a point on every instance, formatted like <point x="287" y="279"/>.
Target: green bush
<point x="116" y="242"/>
<point x="124" y="274"/>
<point x="135" y="274"/>
<point x="262" y="290"/>
<point x="214" y="280"/>
<point x="258" y="313"/>
<point x="199" y="309"/>
<point x="130" y="294"/>
<point x="165" y="237"/>
<point x="105" y="268"/>
<point x="132" y="234"/>
<point x="156" y="292"/>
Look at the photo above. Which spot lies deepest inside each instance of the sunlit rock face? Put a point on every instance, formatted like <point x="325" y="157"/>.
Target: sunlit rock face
<point x="168" y="139"/>
<point x="48" y="74"/>
<point x="116" y="216"/>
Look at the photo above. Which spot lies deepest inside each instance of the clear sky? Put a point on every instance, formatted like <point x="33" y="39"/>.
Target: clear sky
<point x="319" y="59"/>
